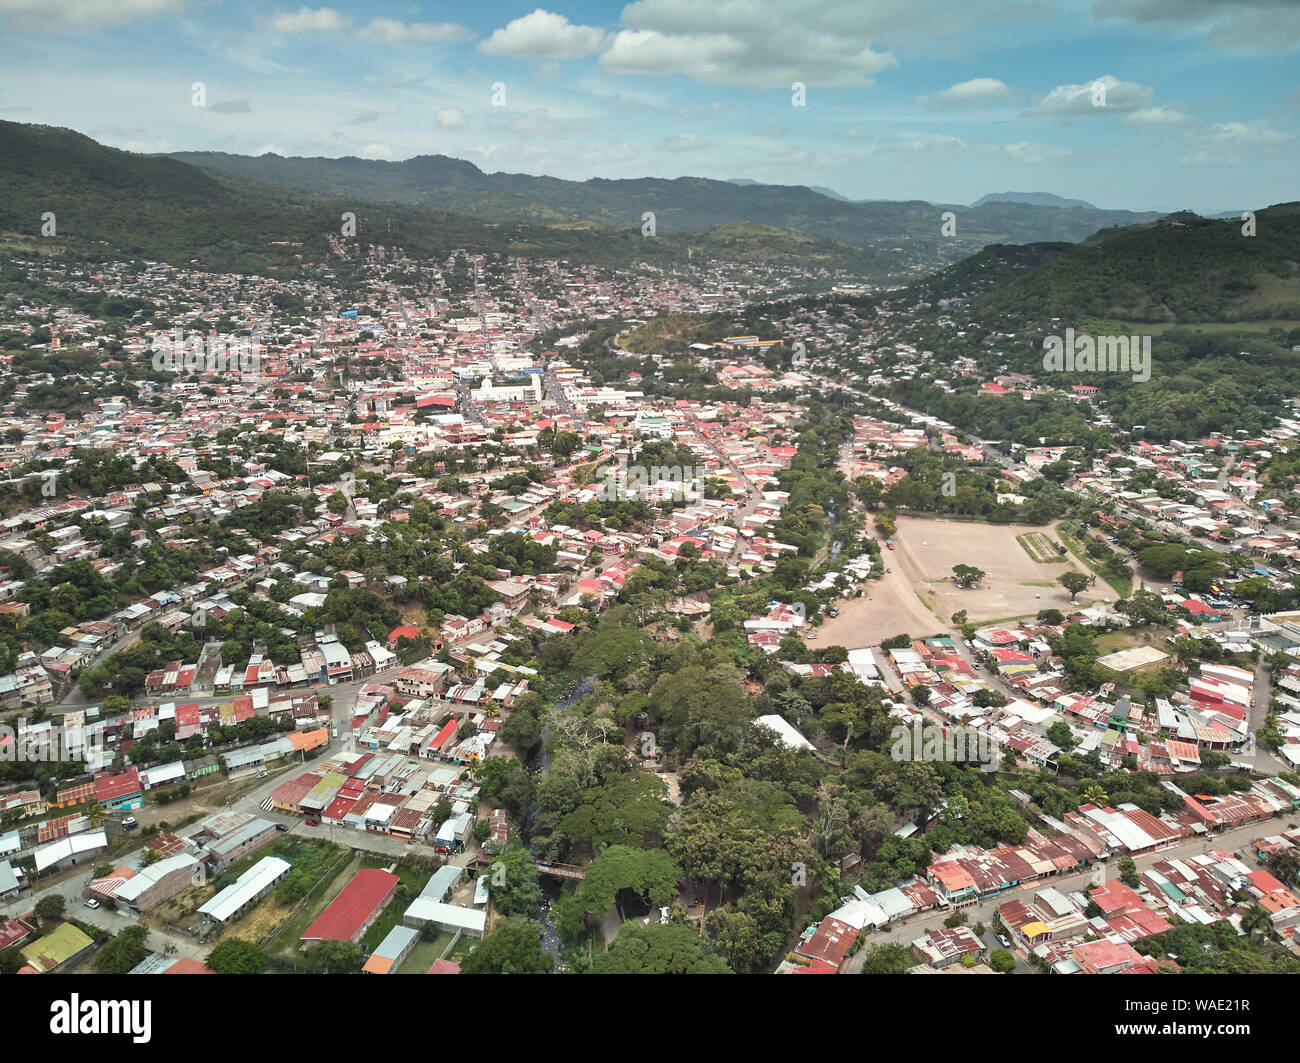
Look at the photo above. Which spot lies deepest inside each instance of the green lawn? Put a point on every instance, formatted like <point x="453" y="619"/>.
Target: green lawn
<point x="423" y="955"/>
<point x="1122" y="587"/>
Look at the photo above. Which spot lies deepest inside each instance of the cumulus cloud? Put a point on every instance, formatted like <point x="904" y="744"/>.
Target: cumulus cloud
<point x="381" y="30"/>
<point x="820" y="60"/>
<point x="451" y="118"/>
<point x="544" y="35"/>
<point x="978" y="92"/>
<point x="1078" y="99"/>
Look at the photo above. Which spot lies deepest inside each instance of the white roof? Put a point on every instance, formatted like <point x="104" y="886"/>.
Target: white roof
<point x="428" y="911"/>
<point x="257" y="878"/>
<point x="70" y="846"/>
<point x="785" y="731"/>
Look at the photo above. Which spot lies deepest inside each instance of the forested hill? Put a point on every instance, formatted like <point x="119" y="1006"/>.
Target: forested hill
<point x="111" y="202"/>
<point x="1183" y="269"/>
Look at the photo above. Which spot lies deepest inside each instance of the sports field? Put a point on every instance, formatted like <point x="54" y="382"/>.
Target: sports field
<point x="919" y="596"/>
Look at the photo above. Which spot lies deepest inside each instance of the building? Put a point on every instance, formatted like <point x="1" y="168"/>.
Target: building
<point x="390" y="952"/>
<point x="153" y="885"/>
<point x="62" y="947"/>
<point x="247" y="890"/>
<point x="70" y="851"/>
<point x="350" y="914"/>
<point x="240" y="842"/>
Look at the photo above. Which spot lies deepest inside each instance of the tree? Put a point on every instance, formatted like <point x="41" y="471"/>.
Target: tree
<point x="335" y="957"/>
<point x="886" y="959"/>
<point x="234" y="956"/>
<point x="886" y="525"/>
<point x="1002" y="961"/>
<point x="967" y="575"/>
<point x="514" y="880"/>
<point x="513" y="946"/>
<point x="124" y="952"/>
<point x="657" y="948"/>
<point x="1256" y="921"/>
<point x="50" y="907"/>
<point x="1128" y="872"/>
<point x="1075" y="582"/>
<point x="958" y="618"/>
<point x="1060" y="735"/>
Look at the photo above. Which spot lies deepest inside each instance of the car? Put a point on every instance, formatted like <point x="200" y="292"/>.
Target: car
<point x="442" y="850"/>
<point x="1002" y="940"/>
<point x="129" y="823"/>
<point x="811" y="635"/>
<point x="261" y="775"/>
<point x="281" y="826"/>
<point x="336" y="732"/>
<point x="90" y="902"/>
<point x="311" y="821"/>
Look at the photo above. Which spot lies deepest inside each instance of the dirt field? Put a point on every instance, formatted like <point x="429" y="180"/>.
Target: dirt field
<point x="928" y="550"/>
<point x="919" y="597"/>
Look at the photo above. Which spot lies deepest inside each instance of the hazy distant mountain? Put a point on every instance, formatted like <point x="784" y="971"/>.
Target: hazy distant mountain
<point x="111" y="202"/>
<point x="681" y="205"/>
<point x="1033" y="199"/>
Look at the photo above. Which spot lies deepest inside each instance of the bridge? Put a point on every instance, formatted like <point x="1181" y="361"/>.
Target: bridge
<point x="545" y="867"/>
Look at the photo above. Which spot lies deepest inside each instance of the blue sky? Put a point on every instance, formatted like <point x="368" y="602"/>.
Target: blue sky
<point x="927" y="99"/>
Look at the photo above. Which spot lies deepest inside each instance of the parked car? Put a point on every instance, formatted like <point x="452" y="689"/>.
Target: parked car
<point x="129" y="823"/>
<point x="1002" y="940"/>
<point x="311" y="821"/>
<point x="281" y="826"/>
<point x="90" y="902"/>
<point x="261" y="775"/>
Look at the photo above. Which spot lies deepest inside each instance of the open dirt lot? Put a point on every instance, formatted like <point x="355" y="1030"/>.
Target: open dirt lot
<point x="918" y="596"/>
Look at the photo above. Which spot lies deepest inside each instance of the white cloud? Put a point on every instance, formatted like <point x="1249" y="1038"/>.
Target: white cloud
<point x="390" y="31"/>
<point x="977" y="92"/>
<point x="544" y="35"/>
<point x="377" y="151"/>
<point x="1229" y="143"/>
<point x="381" y="30"/>
<point x="1078" y="99"/>
<point x="269" y="149"/>
<point x="1157" y="117"/>
<point x="310" y="20"/>
<point x="451" y="118"/>
<point x="86" y="14"/>
<point x="818" y="60"/>
<point x="1023" y="151"/>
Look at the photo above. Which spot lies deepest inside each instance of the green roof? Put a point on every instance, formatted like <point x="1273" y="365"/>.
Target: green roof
<point x="56" y="947"/>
